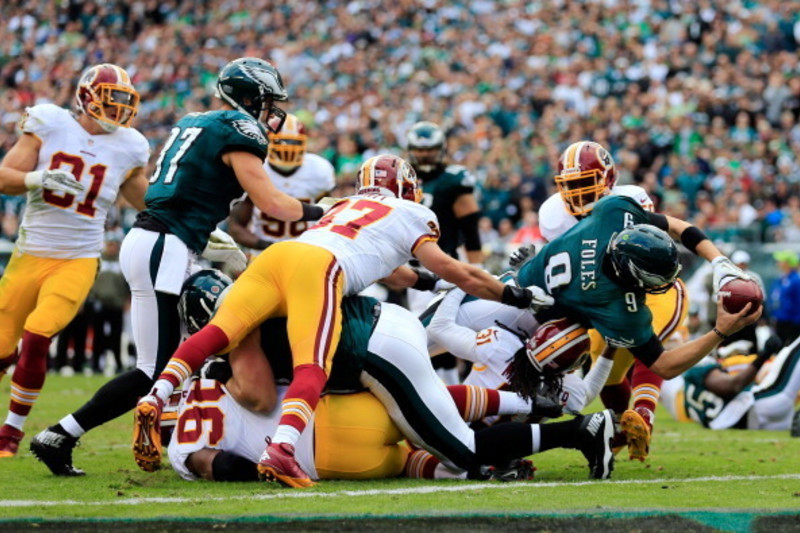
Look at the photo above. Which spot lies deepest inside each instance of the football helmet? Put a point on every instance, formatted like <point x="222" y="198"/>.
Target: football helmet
<point x="426" y="146"/>
<point x="252" y="85"/>
<point x="105" y="94"/>
<point x="558" y="346"/>
<point x="288" y="146"/>
<point x="644" y="257"/>
<point x="389" y="175"/>
<point x="586" y="172"/>
<point x="201" y="294"/>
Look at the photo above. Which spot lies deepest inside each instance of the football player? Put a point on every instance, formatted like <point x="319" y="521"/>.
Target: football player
<point x="708" y="394"/>
<point x="72" y="165"/>
<point x="302" y="175"/>
<point x="587" y="173"/>
<point x="599" y="272"/>
<point x="449" y="192"/>
<point x="209" y="160"/>
<point x="351" y="435"/>
<point x="362" y="239"/>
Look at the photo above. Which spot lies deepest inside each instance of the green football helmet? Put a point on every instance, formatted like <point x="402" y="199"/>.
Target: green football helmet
<point x="426" y="146"/>
<point x="645" y="257"/>
<point x="252" y="86"/>
<point x="201" y="294"/>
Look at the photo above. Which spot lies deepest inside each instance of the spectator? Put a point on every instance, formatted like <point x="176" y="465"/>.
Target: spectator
<point x="784" y="296"/>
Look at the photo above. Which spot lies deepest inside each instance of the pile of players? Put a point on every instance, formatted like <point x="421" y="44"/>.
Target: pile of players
<point x="340" y="384"/>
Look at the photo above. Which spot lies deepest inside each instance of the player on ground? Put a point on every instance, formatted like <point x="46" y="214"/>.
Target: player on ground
<point x="362" y="239"/>
<point x="302" y="175"/>
<point x="382" y="349"/>
<point x="208" y="161"/>
<point x="449" y="192"/>
<point x="73" y="165"/>
<point x="708" y="394"/>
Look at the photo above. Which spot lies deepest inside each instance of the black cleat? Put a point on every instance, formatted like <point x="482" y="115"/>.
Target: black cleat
<point x="55" y="451"/>
<point x="596" y="433"/>
<point x="516" y="470"/>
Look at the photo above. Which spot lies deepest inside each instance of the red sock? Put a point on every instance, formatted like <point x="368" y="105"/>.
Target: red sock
<point x="421" y="465"/>
<point x="30" y="373"/>
<point x="617" y="397"/>
<point x="302" y="397"/>
<point x="191" y="355"/>
<point x="646" y="386"/>
<point x="474" y="402"/>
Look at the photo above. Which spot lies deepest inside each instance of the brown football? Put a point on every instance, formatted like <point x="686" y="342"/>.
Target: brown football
<point x="739" y="292"/>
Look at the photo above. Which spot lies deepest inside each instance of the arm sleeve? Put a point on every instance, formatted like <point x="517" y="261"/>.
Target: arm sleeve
<point x="648" y="352"/>
<point x="596" y="378"/>
<point x="658" y="220"/>
<point x="458" y="340"/>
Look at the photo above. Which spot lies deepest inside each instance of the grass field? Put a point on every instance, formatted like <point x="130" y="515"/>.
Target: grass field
<point x="694" y="480"/>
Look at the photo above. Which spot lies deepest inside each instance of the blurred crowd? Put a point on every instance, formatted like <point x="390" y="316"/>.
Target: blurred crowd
<point x="698" y="101"/>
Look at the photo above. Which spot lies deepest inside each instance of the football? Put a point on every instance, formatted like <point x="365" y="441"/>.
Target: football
<point x="739" y="292"/>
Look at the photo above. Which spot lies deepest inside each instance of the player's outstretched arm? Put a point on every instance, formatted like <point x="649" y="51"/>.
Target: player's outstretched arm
<point x="254" y="180"/>
<point x="674" y="362"/>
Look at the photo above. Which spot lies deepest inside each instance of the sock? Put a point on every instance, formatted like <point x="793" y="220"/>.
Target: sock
<point x="474" y="402"/>
<point x="617" y="397"/>
<point x="559" y="434"/>
<point x="28" y="377"/>
<point x="512" y="403"/>
<point x="68" y="427"/>
<point x="646" y="386"/>
<point x="189" y="357"/>
<point x="421" y="465"/>
<point x="497" y="445"/>
<point x="113" y="399"/>
<point x="299" y="404"/>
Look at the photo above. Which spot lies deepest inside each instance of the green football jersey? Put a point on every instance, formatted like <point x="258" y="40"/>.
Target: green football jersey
<point x="439" y="194"/>
<point x="191" y="189"/>
<point x="701" y="404"/>
<point x="570" y="268"/>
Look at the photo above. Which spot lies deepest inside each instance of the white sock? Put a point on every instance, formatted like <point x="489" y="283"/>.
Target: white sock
<point x="536" y="438"/>
<point x="287" y="434"/>
<point x="442" y="472"/>
<point x="71" y="426"/>
<point x="163" y="390"/>
<point x="16" y="421"/>
<point x="512" y="403"/>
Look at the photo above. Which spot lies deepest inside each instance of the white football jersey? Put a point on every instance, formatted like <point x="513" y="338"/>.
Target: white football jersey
<point x="371" y="235"/>
<point x="66" y="226"/>
<point x="554" y="220"/>
<point x="313" y="179"/>
<point x="209" y="417"/>
<point x="495" y="348"/>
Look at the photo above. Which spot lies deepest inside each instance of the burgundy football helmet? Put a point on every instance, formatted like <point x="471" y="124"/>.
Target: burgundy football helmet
<point x="586" y="172"/>
<point x="389" y="175"/>
<point x="105" y="93"/>
<point x="558" y="346"/>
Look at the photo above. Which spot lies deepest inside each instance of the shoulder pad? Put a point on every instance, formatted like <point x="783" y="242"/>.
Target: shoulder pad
<point x="246" y="126"/>
<point x="464" y="177"/>
<point x="41" y="118"/>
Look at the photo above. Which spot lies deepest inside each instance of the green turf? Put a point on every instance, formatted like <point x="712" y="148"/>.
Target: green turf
<point x="763" y="466"/>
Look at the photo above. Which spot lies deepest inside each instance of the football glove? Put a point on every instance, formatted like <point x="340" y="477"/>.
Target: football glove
<point x="724" y="271"/>
<point x="532" y="297"/>
<point x="326" y="203"/>
<point x="221" y="248"/>
<point x="55" y="180"/>
<point x="521" y="254"/>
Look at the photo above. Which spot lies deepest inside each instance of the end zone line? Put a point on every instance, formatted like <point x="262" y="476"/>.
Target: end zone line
<point x="289" y="494"/>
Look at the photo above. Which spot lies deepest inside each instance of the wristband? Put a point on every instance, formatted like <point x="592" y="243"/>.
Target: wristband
<point x="426" y="281"/>
<point x="311" y="212"/>
<point x="691" y="237"/>
<point x="516" y="297"/>
<point x="720" y="334"/>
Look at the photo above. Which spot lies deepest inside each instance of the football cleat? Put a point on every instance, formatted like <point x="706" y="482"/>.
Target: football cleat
<point x="9" y="440"/>
<point x="147" y="433"/>
<point x="278" y="463"/>
<point x="596" y="432"/>
<point x="637" y="425"/>
<point x="55" y="451"/>
<point x="516" y="470"/>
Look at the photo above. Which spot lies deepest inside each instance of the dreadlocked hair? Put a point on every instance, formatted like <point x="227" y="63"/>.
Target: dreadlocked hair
<point x="522" y="377"/>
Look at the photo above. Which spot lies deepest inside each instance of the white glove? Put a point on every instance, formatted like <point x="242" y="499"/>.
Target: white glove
<point x="326" y="203"/>
<point x="725" y="271"/>
<point x="521" y="254"/>
<point x="539" y="299"/>
<point x="221" y="248"/>
<point x="55" y="180"/>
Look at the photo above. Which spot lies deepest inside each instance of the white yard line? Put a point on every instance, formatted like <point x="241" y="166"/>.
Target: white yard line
<point x="295" y="494"/>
